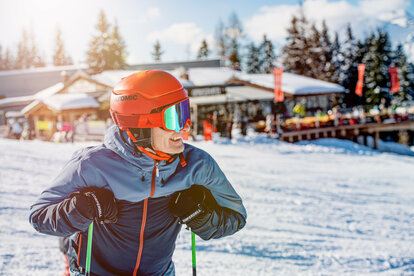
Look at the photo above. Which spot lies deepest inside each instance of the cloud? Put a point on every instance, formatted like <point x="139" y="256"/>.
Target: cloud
<point x="149" y="15"/>
<point x="364" y="16"/>
<point x="187" y="33"/>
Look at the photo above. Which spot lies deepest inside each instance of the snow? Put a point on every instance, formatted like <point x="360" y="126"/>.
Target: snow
<point x="71" y="101"/>
<point x="325" y="207"/>
<point x="15" y="100"/>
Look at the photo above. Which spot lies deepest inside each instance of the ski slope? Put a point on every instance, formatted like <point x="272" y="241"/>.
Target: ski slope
<point x="327" y="207"/>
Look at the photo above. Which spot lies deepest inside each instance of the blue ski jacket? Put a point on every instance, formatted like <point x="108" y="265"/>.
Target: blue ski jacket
<point x="142" y="241"/>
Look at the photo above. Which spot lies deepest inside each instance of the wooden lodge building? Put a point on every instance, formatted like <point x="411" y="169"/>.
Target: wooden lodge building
<point x="211" y="89"/>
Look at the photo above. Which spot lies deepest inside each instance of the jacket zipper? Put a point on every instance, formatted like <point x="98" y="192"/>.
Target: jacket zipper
<point x="155" y="173"/>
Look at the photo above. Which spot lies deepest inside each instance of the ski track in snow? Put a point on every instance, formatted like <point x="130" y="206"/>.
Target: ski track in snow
<point x="322" y="208"/>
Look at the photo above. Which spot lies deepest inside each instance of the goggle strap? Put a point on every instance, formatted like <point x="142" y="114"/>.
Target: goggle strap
<point x="137" y="120"/>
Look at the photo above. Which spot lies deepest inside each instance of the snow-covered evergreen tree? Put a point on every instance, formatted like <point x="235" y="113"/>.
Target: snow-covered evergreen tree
<point x="377" y="60"/>
<point x="157" y="53"/>
<point x="328" y="68"/>
<point x="253" y="61"/>
<point x="352" y="52"/>
<point x="267" y="56"/>
<point x="203" y="52"/>
<point x="295" y="54"/>
<point x="337" y="58"/>
<point x="60" y="57"/>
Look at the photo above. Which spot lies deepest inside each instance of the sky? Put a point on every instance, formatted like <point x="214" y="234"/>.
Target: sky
<point x="179" y="25"/>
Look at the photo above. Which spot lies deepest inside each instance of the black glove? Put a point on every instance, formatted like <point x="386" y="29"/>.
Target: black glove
<point x="192" y="206"/>
<point x="96" y="203"/>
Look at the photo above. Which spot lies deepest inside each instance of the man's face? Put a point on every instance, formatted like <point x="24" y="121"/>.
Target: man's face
<point x="168" y="141"/>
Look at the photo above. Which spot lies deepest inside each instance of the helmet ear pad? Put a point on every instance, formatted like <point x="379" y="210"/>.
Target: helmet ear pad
<point x="143" y="137"/>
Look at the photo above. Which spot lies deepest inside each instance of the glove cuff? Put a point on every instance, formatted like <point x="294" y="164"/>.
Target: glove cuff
<point x="193" y="215"/>
<point x="93" y="199"/>
<point x="199" y="220"/>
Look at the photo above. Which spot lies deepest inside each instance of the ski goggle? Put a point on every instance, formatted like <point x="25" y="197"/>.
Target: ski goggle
<point x="175" y="117"/>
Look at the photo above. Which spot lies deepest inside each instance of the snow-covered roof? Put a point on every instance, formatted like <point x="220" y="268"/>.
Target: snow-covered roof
<point x="16" y="100"/>
<point x="44" y="69"/>
<point x="112" y="77"/>
<point x="71" y="101"/>
<point x="209" y="76"/>
<point x="50" y="91"/>
<point x="293" y="84"/>
<point x="234" y="94"/>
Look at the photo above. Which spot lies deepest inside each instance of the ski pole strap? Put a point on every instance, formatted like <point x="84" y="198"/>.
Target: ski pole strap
<point x="193" y="247"/>
<point x="89" y="250"/>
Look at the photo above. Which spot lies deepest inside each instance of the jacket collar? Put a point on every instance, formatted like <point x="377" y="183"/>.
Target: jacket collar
<point x="119" y="142"/>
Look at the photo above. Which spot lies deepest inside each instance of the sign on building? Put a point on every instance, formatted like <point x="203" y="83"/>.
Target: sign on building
<point x="206" y="91"/>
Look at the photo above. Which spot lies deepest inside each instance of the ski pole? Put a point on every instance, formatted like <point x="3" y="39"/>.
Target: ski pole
<point x="193" y="247"/>
<point x="89" y="250"/>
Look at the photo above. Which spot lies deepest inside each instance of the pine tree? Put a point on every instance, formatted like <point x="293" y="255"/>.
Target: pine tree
<point x="1" y="59"/>
<point x="268" y="56"/>
<point x="328" y="69"/>
<point x="337" y="58"/>
<point x="314" y="57"/>
<point x="253" y="62"/>
<point x="203" y="52"/>
<point x="377" y="60"/>
<point x="27" y="52"/>
<point x="8" y="60"/>
<point x="235" y="32"/>
<point x="221" y="42"/>
<point x="352" y="53"/>
<point x="99" y="47"/>
<point x="295" y="54"/>
<point x="117" y="49"/>
<point x="406" y="76"/>
<point x="156" y="54"/>
<point x="23" y="59"/>
<point x="60" y="57"/>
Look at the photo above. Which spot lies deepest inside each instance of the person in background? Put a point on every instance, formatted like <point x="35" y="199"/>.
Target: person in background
<point x="16" y="129"/>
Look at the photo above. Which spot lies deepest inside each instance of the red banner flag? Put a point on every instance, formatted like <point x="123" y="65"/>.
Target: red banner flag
<point x="360" y="83"/>
<point x="277" y="74"/>
<point x="395" y="81"/>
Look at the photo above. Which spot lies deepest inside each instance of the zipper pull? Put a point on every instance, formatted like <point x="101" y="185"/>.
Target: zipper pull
<point x="157" y="171"/>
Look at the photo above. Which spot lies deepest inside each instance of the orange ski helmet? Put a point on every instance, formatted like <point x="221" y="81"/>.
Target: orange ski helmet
<point x="139" y="100"/>
<point x="149" y="99"/>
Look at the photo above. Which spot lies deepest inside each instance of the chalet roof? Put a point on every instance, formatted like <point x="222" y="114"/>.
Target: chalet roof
<point x="293" y="84"/>
<point x="71" y="101"/>
<point x="16" y="83"/>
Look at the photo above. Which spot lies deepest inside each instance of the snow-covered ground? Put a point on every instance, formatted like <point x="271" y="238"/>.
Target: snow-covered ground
<point x="327" y="207"/>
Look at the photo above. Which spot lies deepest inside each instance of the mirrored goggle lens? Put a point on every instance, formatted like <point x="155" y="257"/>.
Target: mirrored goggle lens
<point x="176" y="116"/>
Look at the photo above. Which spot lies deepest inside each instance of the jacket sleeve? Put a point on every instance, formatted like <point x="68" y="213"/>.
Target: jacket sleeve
<point x="228" y="214"/>
<point x="54" y="212"/>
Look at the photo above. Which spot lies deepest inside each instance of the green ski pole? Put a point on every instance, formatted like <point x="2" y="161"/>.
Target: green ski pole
<point x="89" y="250"/>
<point x="193" y="247"/>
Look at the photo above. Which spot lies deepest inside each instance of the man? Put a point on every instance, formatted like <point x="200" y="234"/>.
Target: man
<point x="139" y="186"/>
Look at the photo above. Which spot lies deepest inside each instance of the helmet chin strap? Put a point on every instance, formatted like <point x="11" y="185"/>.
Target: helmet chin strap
<point x="143" y="141"/>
